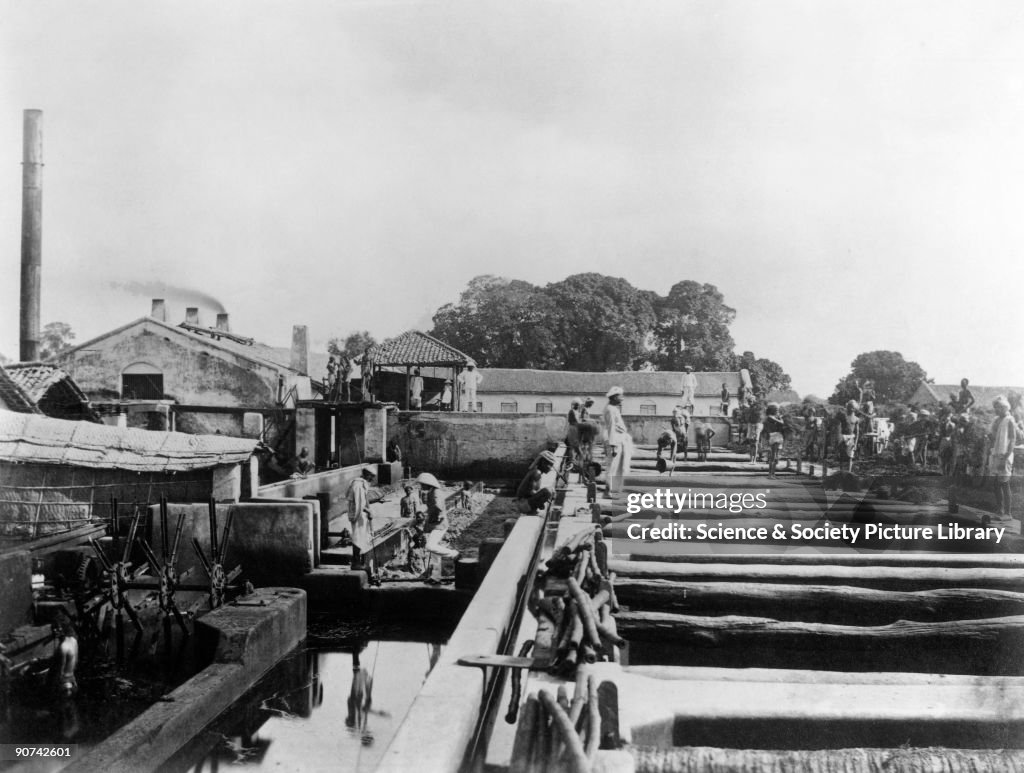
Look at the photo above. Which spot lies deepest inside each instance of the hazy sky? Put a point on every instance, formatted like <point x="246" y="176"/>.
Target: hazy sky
<point x="849" y="174"/>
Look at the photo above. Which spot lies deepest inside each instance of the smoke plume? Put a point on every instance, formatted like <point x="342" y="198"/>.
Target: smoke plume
<point x="171" y="294"/>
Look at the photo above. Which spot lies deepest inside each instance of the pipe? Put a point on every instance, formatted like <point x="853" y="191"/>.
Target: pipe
<point x="31" y="233"/>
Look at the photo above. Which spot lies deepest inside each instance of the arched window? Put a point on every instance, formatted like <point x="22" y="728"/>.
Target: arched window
<point x="648" y="409"/>
<point x="544" y="407"/>
<point x="510" y="407"/>
<point x="142" y="381"/>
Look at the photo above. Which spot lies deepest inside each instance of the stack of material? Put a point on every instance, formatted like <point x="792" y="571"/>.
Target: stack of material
<point x="556" y="735"/>
<point x="577" y="606"/>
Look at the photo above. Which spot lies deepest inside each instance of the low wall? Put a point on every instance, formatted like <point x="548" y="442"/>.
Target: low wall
<point x="645" y="430"/>
<point x="272" y="541"/>
<point x="474" y="445"/>
<point x="333" y="482"/>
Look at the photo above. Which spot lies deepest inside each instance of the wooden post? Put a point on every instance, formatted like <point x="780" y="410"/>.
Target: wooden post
<point x="407" y="404"/>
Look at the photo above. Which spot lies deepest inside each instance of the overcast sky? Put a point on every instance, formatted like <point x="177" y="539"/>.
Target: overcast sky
<point x="850" y="175"/>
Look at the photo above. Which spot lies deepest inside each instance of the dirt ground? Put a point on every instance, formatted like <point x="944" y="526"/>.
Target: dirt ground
<point x="487" y="524"/>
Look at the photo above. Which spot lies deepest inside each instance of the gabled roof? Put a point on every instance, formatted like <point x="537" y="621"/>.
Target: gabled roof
<point x="261" y="354"/>
<point x="12" y="396"/>
<point x="633" y="382"/>
<point x="416" y="348"/>
<point x="25" y="438"/>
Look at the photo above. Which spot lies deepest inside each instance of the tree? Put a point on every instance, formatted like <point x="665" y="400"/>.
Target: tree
<point x="501" y="323"/>
<point x="895" y="378"/>
<point x="601" y="322"/>
<point x="353" y="345"/>
<point x="766" y="375"/>
<point x="55" y="338"/>
<point x="693" y="329"/>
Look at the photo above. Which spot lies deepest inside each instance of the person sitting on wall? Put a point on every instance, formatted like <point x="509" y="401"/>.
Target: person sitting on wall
<point x="303" y="464"/>
<point x="666" y="442"/>
<point x="530" y="495"/>
<point x="394" y="451"/>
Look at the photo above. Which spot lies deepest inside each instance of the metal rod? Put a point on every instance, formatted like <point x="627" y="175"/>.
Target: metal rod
<point x="213" y="529"/>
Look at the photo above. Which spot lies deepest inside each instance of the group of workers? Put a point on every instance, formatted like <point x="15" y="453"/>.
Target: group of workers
<point x="427" y="529"/>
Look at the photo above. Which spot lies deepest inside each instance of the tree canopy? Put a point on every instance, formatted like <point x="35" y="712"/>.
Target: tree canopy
<point x="55" y="338"/>
<point x="895" y="378"/>
<point x="353" y="345"/>
<point x="766" y="375"/>
<point x="594" y="322"/>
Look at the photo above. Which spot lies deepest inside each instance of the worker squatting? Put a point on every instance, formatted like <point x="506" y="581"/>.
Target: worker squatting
<point x="846" y="533"/>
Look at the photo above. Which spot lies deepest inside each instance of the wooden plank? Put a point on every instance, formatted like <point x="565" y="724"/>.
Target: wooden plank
<point x="699" y="759"/>
<point x="990" y="646"/>
<point x="894" y="577"/>
<point x="837" y="604"/>
<point x="848" y="558"/>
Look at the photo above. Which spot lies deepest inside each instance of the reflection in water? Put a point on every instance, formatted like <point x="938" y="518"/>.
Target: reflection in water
<point x="292" y="720"/>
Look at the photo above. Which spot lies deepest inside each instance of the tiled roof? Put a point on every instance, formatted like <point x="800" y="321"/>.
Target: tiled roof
<point x="12" y="396"/>
<point x="568" y="382"/>
<point x="416" y="348"/>
<point x="36" y="378"/>
<point x="26" y="438"/>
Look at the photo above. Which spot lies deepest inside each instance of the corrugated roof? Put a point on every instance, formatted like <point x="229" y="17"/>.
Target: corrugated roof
<point x="27" y="438"/>
<point x="416" y="348"/>
<point x="12" y="396"/>
<point x="633" y="382"/>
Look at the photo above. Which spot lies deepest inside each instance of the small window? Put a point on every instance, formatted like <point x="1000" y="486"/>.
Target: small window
<point x="544" y="407"/>
<point x="648" y="409"/>
<point x="510" y="407"/>
<point x="142" y="386"/>
<point x="479" y="407"/>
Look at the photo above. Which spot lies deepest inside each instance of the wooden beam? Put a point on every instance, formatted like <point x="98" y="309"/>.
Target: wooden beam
<point x="836" y="604"/>
<point x="905" y="578"/>
<point x="989" y="646"/>
<point x="698" y="759"/>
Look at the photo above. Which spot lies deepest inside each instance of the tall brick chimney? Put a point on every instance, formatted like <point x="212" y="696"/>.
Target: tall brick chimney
<point x="192" y="316"/>
<point x="159" y="310"/>
<point x="300" y="349"/>
<point x="222" y="323"/>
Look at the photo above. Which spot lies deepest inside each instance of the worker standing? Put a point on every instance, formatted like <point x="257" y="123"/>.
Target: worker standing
<point x="361" y="519"/>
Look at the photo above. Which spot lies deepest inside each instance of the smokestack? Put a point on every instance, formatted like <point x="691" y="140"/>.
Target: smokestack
<point x="192" y="316"/>
<point x="222" y="323"/>
<point x="300" y="349"/>
<point x="159" y="310"/>
<point x="31" y="232"/>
